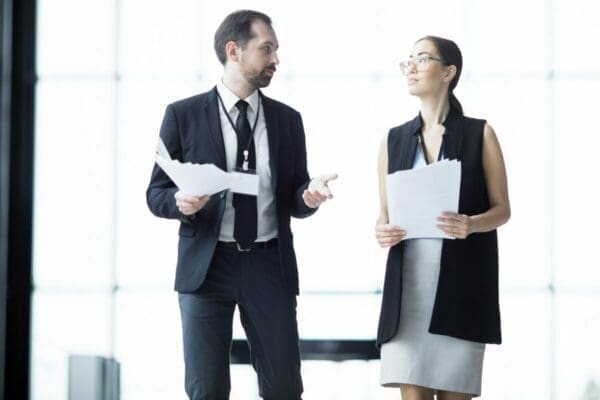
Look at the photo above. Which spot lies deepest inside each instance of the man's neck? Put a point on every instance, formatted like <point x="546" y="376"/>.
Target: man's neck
<point x="237" y="85"/>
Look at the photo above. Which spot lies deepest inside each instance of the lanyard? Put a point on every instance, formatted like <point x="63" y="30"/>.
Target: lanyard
<point x="422" y="141"/>
<point x="247" y="150"/>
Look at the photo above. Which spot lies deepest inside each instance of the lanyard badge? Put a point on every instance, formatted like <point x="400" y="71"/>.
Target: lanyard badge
<point x="246" y="152"/>
<point x="245" y="163"/>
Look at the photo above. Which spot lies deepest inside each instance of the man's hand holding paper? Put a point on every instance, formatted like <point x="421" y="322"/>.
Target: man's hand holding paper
<point x="202" y="180"/>
<point x="189" y="205"/>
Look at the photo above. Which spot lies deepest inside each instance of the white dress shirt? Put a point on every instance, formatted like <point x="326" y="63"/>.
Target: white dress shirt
<point x="267" y="214"/>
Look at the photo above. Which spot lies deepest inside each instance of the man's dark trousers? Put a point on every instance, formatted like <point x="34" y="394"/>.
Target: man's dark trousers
<point x="254" y="282"/>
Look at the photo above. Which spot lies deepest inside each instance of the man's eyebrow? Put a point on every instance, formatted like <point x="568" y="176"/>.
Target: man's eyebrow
<point x="270" y="43"/>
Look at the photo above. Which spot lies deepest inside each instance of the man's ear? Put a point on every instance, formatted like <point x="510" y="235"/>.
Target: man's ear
<point x="231" y="50"/>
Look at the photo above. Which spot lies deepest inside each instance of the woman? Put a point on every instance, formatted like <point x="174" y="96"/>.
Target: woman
<point x="433" y="341"/>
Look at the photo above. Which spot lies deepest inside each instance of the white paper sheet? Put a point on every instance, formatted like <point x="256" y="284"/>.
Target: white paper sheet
<point x="416" y="197"/>
<point x="204" y="179"/>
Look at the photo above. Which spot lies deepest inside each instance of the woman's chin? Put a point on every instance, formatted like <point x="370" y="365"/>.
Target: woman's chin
<point x="413" y="91"/>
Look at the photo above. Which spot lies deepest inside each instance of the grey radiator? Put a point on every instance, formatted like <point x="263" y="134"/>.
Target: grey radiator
<point x="93" y="378"/>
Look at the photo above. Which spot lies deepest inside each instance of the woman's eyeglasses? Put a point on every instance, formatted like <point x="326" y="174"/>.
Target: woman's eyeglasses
<point x="421" y="63"/>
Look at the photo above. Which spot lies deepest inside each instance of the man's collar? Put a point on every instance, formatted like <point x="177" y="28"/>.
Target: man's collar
<point x="230" y="99"/>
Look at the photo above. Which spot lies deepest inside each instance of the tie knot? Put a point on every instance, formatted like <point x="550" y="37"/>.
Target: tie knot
<point x="242" y="106"/>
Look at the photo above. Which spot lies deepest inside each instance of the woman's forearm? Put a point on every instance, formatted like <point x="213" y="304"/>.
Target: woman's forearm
<point x="491" y="219"/>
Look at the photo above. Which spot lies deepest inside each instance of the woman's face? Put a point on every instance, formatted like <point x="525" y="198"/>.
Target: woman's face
<point x="426" y="76"/>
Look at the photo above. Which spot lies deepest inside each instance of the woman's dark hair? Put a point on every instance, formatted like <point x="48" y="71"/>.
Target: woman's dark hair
<point x="450" y="52"/>
<point x="237" y="27"/>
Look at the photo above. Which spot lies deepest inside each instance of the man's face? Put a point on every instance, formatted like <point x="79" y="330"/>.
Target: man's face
<point x="258" y="60"/>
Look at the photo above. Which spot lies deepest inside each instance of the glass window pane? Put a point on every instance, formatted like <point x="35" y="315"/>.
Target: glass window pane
<point x="577" y="36"/>
<point x="517" y="109"/>
<point x="355" y="316"/>
<point x="577" y="328"/>
<point x="76" y="37"/>
<point x="523" y="358"/>
<point x="65" y="323"/>
<point x="148" y="323"/>
<point x="146" y="245"/>
<point x="159" y="38"/>
<point x="73" y="195"/>
<point x="148" y="344"/>
<point x="321" y="240"/>
<point x="396" y="26"/>
<point x="330" y="380"/>
<point x="505" y="41"/>
<point x="331" y="44"/>
<point x="577" y="144"/>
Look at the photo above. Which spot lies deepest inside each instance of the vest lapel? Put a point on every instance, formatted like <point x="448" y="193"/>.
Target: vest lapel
<point x="453" y="135"/>
<point x="409" y="147"/>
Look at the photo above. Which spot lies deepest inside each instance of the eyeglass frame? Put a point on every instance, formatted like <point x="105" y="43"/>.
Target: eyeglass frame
<point x="405" y="65"/>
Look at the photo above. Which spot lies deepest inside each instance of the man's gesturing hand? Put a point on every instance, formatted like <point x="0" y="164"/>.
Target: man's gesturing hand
<point x="318" y="192"/>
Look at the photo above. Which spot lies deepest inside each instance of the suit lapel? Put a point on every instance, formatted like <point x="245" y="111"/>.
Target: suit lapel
<point x="211" y="108"/>
<point x="272" y="124"/>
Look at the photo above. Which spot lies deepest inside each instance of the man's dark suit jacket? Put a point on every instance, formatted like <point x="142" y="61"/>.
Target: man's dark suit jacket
<point x="191" y="131"/>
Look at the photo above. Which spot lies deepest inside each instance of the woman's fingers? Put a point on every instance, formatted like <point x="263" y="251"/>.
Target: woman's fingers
<point x="453" y="231"/>
<point x="448" y="216"/>
<point x="388" y="228"/>
<point x="389" y="235"/>
<point x="389" y="242"/>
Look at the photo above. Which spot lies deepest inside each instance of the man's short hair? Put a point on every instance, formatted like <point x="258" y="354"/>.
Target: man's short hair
<point x="237" y="27"/>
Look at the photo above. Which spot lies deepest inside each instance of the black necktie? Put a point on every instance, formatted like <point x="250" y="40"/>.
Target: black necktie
<point x="244" y="229"/>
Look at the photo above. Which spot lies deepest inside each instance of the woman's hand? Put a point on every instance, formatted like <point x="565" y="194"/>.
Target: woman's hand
<point x="389" y="235"/>
<point x="458" y="226"/>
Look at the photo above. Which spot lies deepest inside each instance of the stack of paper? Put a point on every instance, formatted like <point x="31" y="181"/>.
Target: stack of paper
<point x="416" y="197"/>
<point x="204" y="179"/>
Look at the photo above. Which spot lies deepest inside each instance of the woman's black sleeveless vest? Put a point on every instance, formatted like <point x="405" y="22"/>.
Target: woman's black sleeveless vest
<point x="466" y="302"/>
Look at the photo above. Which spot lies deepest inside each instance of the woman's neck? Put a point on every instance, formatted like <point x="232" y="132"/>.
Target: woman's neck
<point x="434" y="111"/>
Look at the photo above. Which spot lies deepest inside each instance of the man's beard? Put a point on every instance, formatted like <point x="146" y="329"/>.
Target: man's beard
<point x="261" y="80"/>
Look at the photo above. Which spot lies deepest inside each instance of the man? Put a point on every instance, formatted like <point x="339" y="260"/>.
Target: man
<point x="238" y="249"/>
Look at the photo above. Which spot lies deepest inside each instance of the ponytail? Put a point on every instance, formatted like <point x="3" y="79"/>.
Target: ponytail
<point x="454" y="103"/>
<point x="450" y="53"/>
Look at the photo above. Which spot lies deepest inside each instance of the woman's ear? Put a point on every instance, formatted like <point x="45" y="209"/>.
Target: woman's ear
<point x="450" y="73"/>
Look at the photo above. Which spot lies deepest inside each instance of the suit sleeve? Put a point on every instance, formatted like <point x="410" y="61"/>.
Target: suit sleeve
<point x="161" y="190"/>
<point x="301" y="177"/>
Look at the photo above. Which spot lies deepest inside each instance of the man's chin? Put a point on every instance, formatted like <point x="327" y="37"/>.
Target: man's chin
<point x="264" y="81"/>
<point x="260" y="81"/>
